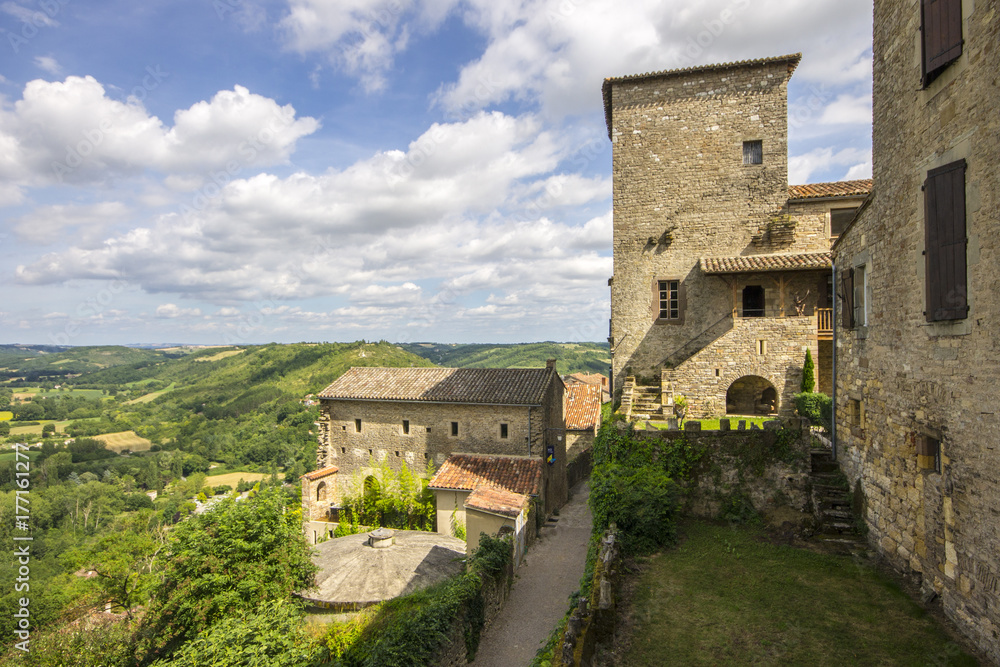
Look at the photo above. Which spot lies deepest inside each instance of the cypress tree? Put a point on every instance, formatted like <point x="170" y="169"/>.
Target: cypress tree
<point x="808" y="373"/>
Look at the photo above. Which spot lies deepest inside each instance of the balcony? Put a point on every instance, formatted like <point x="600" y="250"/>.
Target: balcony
<point x="824" y="323"/>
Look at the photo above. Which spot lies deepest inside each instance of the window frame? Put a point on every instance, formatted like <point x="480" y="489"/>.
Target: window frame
<point x="839" y="210"/>
<point x="753" y="152"/>
<point x="681" y="298"/>
<point x="454" y="429"/>
<point x="504" y="431"/>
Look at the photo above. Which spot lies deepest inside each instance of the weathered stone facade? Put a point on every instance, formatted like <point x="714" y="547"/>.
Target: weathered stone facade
<point x="686" y="188"/>
<point x="357" y="436"/>
<point x="908" y="388"/>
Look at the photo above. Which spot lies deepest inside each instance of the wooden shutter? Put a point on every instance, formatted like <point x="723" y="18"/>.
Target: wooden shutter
<point x="945" y="242"/>
<point x="847" y="298"/>
<point x="941" y="25"/>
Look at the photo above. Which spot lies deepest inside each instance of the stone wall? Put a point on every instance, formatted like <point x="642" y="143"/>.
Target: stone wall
<point x="681" y="192"/>
<point x="706" y="377"/>
<point x="901" y="378"/>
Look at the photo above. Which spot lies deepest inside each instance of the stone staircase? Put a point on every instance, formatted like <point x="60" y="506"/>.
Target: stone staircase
<point x="646" y="403"/>
<point x="832" y="505"/>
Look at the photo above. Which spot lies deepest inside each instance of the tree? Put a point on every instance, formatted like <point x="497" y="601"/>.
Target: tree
<point x="808" y="373"/>
<point x="123" y="559"/>
<point x="228" y="560"/>
<point x="48" y="429"/>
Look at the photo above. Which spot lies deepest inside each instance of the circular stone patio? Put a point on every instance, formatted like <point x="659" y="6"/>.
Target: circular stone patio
<point x="354" y="574"/>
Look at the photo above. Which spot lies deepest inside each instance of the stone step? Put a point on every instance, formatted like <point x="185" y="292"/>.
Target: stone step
<point x="824" y="467"/>
<point x="837" y="514"/>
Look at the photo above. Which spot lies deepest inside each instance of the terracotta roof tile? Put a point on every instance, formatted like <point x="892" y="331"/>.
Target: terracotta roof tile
<point x="792" y="60"/>
<point x="837" y="189"/>
<point x="808" y="261"/>
<point x="583" y="406"/>
<point x="465" y="472"/>
<point x="322" y="472"/>
<point x="491" y="386"/>
<point x="589" y="378"/>
<point x="496" y="501"/>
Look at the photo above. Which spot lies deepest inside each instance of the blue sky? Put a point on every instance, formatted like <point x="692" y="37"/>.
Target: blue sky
<point x="247" y="171"/>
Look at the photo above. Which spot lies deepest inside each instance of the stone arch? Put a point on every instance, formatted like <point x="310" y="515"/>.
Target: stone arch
<point x="751" y="394"/>
<point x="321" y="492"/>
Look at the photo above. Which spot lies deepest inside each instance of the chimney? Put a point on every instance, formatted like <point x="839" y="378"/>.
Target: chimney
<point x="550" y="363"/>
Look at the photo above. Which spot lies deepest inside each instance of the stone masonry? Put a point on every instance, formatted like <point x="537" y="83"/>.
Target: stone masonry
<point x="684" y="191"/>
<point x="916" y="407"/>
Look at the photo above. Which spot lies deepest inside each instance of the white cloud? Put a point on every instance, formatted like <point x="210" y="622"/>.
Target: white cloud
<point x="47" y="225"/>
<point x="28" y="15"/>
<point x="71" y="132"/>
<point x="553" y="52"/>
<point x="801" y="167"/>
<point x="847" y="110"/>
<point x="173" y="311"/>
<point x="48" y="64"/>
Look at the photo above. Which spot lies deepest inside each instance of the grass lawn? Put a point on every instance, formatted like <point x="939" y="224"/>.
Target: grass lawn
<point x="713" y="424"/>
<point x="152" y="396"/>
<point x="727" y="596"/>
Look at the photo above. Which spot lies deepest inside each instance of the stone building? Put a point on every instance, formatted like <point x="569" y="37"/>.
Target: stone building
<point x="487" y="494"/>
<point x="722" y="272"/>
<point x="421" y="416"/>
<point x="917" y="343"/>
<point x="583" y="417"/>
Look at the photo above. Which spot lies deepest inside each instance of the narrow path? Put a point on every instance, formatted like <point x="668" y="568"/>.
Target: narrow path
<point x="541" y="590"/>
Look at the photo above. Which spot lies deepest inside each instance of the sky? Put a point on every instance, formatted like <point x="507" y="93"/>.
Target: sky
<point x="253" y="171"/>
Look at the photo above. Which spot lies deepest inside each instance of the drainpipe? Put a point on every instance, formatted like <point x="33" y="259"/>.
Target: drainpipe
<point x="833" y="399"/>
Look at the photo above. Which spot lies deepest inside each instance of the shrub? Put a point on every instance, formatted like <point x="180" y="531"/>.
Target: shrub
<point x="808" y="373"/>
<point x="642" y="501"/>
<point x="816" y="407"/>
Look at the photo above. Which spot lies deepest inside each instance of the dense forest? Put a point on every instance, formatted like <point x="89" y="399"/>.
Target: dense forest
<point x="124" y="447"/>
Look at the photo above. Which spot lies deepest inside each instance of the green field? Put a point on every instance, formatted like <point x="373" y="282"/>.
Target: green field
<point x="152" y="396"/>
<point x="728" y="596"/>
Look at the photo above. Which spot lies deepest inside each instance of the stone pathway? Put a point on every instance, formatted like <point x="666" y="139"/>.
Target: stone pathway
<point x="540" y="594"/>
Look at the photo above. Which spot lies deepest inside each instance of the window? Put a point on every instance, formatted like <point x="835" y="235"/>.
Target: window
<point x="860" y="311"/>
<point x="753" y="301"/>
<point x="944" y="243"/>
<point x="454" y="428"/>
<point x="855" y="413"/>
<point x="928" y="453"/>
<point x="357" y="426"/>
<point x="839" y="219"/>
<point x="428" y="429"/>
<point x="762" y="347"/>
<point x="669" y="299"/>
<point x="343" y="450"/>
<point x="753" y="152"/>
<point x="941" y="36"/>
<point x="406" y="427"/>
<point x="503" y="431"/>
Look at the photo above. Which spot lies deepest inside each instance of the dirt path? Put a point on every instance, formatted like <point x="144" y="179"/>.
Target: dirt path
<point x="541" y="590"/>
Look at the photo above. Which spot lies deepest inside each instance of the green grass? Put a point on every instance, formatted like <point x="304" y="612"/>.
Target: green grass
<point x="713" y="424"/>
<point x="152" y="396"/>
<point x="726" y="596"/>
<point x="12" y="456"/>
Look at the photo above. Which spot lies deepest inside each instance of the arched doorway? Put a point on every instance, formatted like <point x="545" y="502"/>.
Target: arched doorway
<point x="321" y="492"/>
<point x="751" y="395"/>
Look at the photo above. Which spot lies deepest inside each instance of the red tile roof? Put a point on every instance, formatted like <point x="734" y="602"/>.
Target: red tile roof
<point x="583" y="406"/>
<point x="490" y="386"/>
<point x="465" y="472"/>
<point x="589" y="378"/>
<point x="322" y="472"/>
<point x="496" y="501"/>
<point x="807" y="261"/>
<point x="838" y="189"/>
<point x="792" y="60"/>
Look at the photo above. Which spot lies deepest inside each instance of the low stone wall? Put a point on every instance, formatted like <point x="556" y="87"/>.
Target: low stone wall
<point x="593" y="620"/>
<point x="769" y="467"/>
<point x="495" y="591"/>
